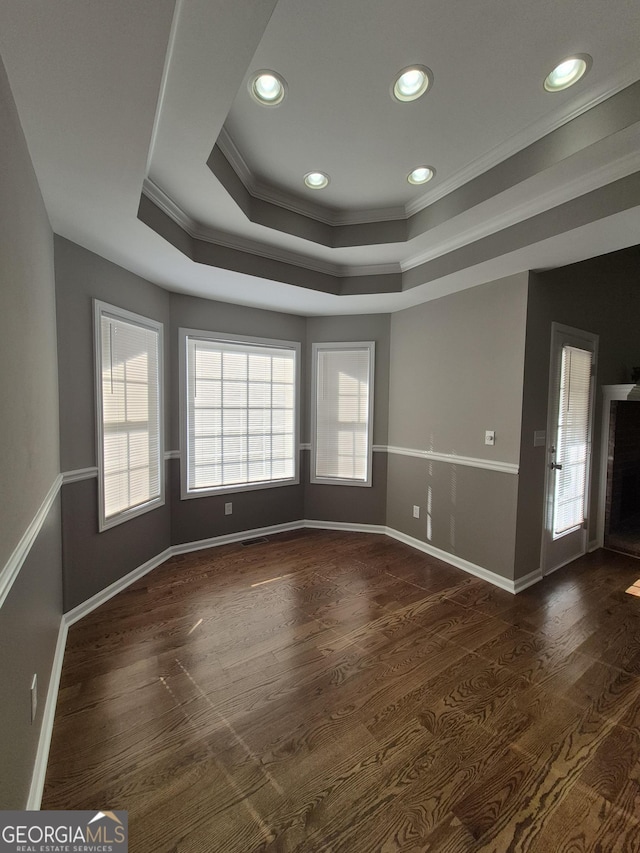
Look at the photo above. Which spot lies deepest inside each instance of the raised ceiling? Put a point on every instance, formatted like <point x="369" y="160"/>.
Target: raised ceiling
<point x="150" y="151"/>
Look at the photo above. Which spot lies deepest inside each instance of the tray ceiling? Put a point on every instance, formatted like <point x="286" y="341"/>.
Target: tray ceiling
<point x="150" y="150"/>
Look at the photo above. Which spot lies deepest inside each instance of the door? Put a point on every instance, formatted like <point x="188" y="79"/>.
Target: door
<point x="569" y="431"/>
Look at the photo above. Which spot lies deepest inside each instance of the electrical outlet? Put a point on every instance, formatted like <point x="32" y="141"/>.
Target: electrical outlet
<point x="489" y="437"/>
<point x="228" y="508"/>
<point x="416" y="511"/>
<point x="34" y="696"/>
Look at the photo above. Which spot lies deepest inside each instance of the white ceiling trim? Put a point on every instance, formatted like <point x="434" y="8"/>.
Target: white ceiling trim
<point x="271" y="194"/>
<point x="526" y="137"/>
<point x="560" y="194"/>
<point x="173" y="35"/>
<point x="220" y="238"/>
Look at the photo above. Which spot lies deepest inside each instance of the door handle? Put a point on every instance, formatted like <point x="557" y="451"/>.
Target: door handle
<point x="555" y="466"/>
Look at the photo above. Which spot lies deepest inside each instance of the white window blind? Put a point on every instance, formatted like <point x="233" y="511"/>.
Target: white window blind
<point x="343" y="409"/>
<point x="129" y="418"/>
<point x="241" y="414"/>
<point x="572" y="449"/>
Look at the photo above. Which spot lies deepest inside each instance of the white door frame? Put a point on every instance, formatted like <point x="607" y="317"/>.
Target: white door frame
<point x="558" y="329"/>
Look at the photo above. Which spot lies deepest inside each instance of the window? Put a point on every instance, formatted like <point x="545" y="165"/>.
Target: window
<point x="342" y="416"/>
<point x="572" y="449"/>
<point x="240" y="413"/>
<point x="129" y="414"/>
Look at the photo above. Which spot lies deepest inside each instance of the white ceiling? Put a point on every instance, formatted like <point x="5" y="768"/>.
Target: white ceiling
<point x="118" y="96"/>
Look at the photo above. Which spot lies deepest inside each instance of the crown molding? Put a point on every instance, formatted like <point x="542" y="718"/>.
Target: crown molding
<point x="273" y="195"/>
<point x="534" y="132"/>
<point x="242" y="244"/>
<point x="230" y="241"/>
<point x="167" y="205"/>
<point x="560" y="194"/>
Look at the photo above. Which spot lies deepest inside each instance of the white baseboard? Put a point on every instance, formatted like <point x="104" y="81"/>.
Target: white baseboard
<point x="526" y="581"/>
<point x="122" y="583"/>
<point x="314" y="524"/>
<point x="230" y="538"/>
<point x="104" y="595"/>
<point x="48" y="716"/>
<point x="453" y="560"/>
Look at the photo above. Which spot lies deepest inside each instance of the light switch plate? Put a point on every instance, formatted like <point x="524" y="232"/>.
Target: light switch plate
<point x="490" y="437"/>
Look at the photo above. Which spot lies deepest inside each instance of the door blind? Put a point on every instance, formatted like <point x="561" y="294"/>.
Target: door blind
<point x="572" y="449"/>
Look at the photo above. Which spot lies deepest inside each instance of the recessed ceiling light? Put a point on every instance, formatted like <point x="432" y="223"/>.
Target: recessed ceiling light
<point x="411" y="83"/>
<point x="316" y="180"/>
<point x="568" y="72"/>
<point x="421" y="175"/>
<point x="268" y="88"/>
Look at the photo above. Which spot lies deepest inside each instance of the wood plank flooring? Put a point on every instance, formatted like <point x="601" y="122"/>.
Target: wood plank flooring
<point x="336" y="692"/>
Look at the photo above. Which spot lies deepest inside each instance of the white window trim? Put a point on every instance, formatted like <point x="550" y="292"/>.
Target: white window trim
<point x="225" y="337"/>
<point x="341" y="345"/>
<point x="100" y="309"/>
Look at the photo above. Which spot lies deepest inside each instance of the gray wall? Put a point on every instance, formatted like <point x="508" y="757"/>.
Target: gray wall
<point x="94" y="560"/>
<point x="81" y="277"/>
<point x="363" y="327"/>
<point x="28" y="382"/>
<point x="601" y="296"/>
<point x="358" y="504"/>
<point x="188" y="312"/>
<point x="29" y="625"/>
<point x="456" y="370"/>
<point x="467" y="512"/>
<point x="30" y="615"/>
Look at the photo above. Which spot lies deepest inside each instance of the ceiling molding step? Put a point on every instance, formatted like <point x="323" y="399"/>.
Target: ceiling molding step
<point x="621" y="195"/>
<point x="605" y="174"/>
<point x="215" y="254"/>
<point x="600" y="203"/>
<point x="604" y="121"/>
<point x="531" y="134"/>
<point x="230" y="241"/>
<point x="273" y="195"/>
<point x="173" y="35"/>
<point x="167" y="205"/>
<point x="233" y="154"/>
<point x="242" y="244"/>
<point x="369" y="269"/>
<point x="607" y="118"/>
<point x="279" y="217"/>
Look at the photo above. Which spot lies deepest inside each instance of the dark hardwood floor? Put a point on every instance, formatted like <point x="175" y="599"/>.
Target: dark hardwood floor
<point x="342" y="692"/>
